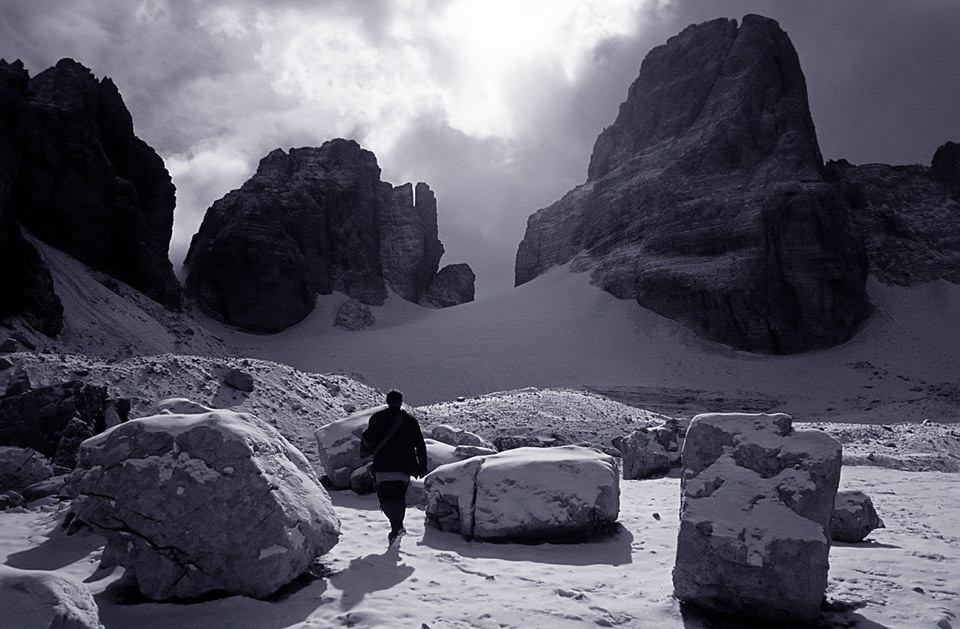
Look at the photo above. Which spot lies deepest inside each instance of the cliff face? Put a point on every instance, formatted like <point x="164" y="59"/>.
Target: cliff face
<point x="706" y="200"/>
<point x="314" y="220"/>
<point x="26" y="287"/>
<point x="88" y="186"/>
<point x="909" y="216"/>
<point x="74" y="174"/>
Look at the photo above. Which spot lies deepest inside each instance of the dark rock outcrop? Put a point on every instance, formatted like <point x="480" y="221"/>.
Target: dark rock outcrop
<point x="909" y="216"/>
<point x="707" y="199"/>
<point x="26" y="287"/>
<point x="86" y="184"/>
<point x="453" y="285"/>
<point x="312" y="221"/>
<point x="53" y="420"/>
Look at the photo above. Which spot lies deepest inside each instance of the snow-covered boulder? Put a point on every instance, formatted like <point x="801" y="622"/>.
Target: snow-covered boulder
<point x="39" y="598"/>
<point x="755" y="511"/>
<point x="525" y="494"/>
<point x="20" y="467"/>
<point x="339" y="446"/>
<point x="440" y="453"/>
<point x="445" y="433"/>
<point x="854" y="517"/>
<point x="651" y="451"/>
<point x="214" y="501"/>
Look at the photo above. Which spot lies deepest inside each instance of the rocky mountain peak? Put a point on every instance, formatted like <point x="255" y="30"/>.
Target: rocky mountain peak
<point x="86" y="184"/>
<point x="311" y="221"/>
<point x="716" y="97"/>
<point x="706" y="199"/>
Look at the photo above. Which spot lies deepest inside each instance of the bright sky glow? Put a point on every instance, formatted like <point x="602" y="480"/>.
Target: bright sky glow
<point x="466" y="62"/>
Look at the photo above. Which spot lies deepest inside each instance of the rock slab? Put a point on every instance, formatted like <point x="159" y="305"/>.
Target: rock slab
<point x="203" y="503"/>
<point x="526" y="494"/>
<point x="755" y="509"/>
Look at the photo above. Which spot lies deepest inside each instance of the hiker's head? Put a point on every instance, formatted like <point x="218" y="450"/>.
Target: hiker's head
<point x="394" y="399"/>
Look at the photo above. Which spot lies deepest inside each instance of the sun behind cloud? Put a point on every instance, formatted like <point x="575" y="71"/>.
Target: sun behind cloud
<point x="468" y="62"/>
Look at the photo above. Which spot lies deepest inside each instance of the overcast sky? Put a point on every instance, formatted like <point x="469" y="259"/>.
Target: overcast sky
<point x="494" y="103"/>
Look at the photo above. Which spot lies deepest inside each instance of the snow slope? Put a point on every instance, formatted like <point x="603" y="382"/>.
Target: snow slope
<point x="558" y="331"/>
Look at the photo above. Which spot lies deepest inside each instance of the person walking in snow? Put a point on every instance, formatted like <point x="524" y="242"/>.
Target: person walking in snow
<point x="394" y="438"/>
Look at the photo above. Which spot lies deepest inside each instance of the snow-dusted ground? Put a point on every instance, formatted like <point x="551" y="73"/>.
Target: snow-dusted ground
<point x="903" y="576"/>
<point x="560" y="336"/>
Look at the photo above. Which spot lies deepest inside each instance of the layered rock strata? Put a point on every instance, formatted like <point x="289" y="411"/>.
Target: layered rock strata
<point x="313" y="221"/>
<point x="707" y="200"/>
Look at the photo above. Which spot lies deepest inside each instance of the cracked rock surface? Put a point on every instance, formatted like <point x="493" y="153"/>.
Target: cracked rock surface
<point x="196" y="501"/>
<point x="755" y="509"/>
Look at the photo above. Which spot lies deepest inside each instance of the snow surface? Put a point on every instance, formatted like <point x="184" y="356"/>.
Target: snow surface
<point x="555" y="332"/>
<point x="903" y="576"/>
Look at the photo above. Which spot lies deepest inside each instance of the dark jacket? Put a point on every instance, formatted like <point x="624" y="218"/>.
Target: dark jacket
<point x="404" y="452"/>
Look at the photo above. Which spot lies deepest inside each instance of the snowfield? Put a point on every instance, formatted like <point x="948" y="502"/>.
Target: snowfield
<point x="555" y="357"/>
<point x="904" y="575"/>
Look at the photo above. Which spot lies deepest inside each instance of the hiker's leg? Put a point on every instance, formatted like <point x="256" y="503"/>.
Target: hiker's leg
<point x="392" y="495"/>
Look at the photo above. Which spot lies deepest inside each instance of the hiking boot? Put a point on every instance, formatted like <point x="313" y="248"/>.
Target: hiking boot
<point x="395" y="535"/>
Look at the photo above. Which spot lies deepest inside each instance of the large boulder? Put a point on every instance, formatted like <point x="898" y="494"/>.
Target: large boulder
<point x="707" y="202"/>
<point x="446" y="433"/>
<point x="41" y="598"/>
<point x="314" y="220"/>
<point x="89" y="186"/>
<point x="854" y="517"/>
<point x="211" y="502"/>
<point x="339" y="446"/>
<point x="21" y="467"/>
<point x="755" y="511"/>
<point x="440" y="453"/>
<point x="526" y="494"/>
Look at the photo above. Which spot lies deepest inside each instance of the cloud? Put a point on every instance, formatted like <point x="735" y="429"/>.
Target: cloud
<point x="202" y="177"/>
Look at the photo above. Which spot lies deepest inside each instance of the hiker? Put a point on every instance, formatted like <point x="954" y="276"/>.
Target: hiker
<point x="393" y="437"/>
